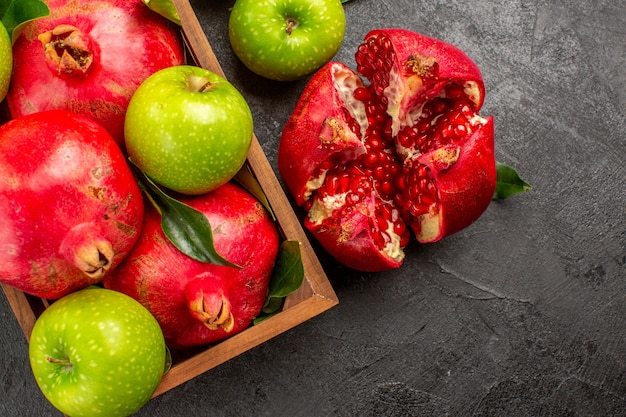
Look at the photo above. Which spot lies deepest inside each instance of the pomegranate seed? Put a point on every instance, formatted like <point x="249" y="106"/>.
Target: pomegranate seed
<point x="418" y="209"/>
<point x="382" y="223"/>
<point x="331" y="184"/>
<point x="362" y="94"/>
<point x="378" y="173"/>
<point x="399" y="227"/>
<point x="387" y="188"/>
<point x="378" y="239"/>
<point x="427" y="199"/>
<point x="344" y="183"/>
<point x="370" y="160"/>
<point x="374" y="140"/>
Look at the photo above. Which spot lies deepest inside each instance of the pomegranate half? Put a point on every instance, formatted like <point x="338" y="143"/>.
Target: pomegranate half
<point x="198" y="303"/>
<point x="405" y="152"/>
<point x="89" y="57"/>
<point x="70" y="208"/>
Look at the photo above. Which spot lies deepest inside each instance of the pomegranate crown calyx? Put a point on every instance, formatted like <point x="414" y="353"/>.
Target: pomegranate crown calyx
<point x="213" y="309"/>
<point x="67" y="50"/>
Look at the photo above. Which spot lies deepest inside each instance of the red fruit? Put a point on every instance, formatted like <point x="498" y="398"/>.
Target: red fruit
<point x="198" y="303"/>
<point x="407" y="151"/>
<point x="89" y="57"/>
<point x="70" y="208"/>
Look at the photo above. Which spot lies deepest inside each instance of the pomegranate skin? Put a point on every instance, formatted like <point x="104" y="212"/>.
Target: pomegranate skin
<point x="407" y="152"/>
<point x="200" y="303"/>
<point x="70" y="208"/>
<point x="121" y="43"/>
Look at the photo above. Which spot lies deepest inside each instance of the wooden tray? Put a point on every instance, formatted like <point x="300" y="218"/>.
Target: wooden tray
<point x="314" y="297"/>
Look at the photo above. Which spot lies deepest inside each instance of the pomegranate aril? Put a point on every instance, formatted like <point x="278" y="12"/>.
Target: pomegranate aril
<point x="399" y="227"/>
<point x="378" y="239"/>
<point x="329" y="187"/>
<point x="418" y="209"/>
<point x="382" y="223"/>
<point x="378" y="173"/>
<point x="373" y="142"/>
<point x="370" y="160"/>
<point x="362" y="94"/>
<point x="386" y="188"/>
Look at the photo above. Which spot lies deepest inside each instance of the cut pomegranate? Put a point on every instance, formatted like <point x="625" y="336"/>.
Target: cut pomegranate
<point x="405" y="152"/>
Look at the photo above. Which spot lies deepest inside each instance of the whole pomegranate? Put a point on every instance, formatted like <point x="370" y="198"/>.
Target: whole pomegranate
<point x="198" y="303"/>
<point x="70" y="208"/>
<point x="405" y="152"/>
<point x="89" y="57"/>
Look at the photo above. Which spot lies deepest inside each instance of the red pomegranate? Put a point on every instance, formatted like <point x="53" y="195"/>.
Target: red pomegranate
<point x="89" y="57"/>
<point x="70" y="208"/>
<point x="199" y="303"/>
<point x="405" y="152"/>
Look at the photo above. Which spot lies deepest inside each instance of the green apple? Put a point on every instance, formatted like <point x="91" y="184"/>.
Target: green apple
<point x="286" y="40"/>
<point x="188" y="129"/>
<point x="97" y="352"/>
<point x="6" y="61"/>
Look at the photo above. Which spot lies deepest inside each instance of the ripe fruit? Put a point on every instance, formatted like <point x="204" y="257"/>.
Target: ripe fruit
<point x="407" y="152"/>
<point x="198" y="303"/>
<point x="188" y="129"/>
<point x="288" y="39"/>
<point x="97" y="352"/>
<point x="6" y="61"/>
<point x="89" y="57"/>
<point x="70" y="208"/>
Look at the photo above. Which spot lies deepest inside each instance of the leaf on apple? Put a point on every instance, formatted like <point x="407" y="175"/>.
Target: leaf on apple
<point x="165" y="8"/>
<point x="187" y="228"/>
<point x="16" y="13"/>
<point x="508" y="182"/>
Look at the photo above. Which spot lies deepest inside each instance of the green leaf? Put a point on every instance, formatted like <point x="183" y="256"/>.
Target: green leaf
<point x="16" y="13"/>
<point x="247" y="180"/>
<point x="187" y="228"/>
<point x="287" y="277"/>
<point x="345" y="1"/>
<point x="508" y="182"/>
<point x="165" y="8"/>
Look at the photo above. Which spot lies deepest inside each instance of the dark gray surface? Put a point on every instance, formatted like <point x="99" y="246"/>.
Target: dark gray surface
<point x="521" y="314"/>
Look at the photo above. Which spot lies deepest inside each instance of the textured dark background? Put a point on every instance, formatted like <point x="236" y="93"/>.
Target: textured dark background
<point x="521" y="314"/>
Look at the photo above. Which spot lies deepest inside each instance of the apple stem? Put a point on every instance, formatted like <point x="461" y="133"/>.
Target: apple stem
<point x="65" y="361"/>
<point x="199" y="84"/>
<point x="291" y="24"/>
